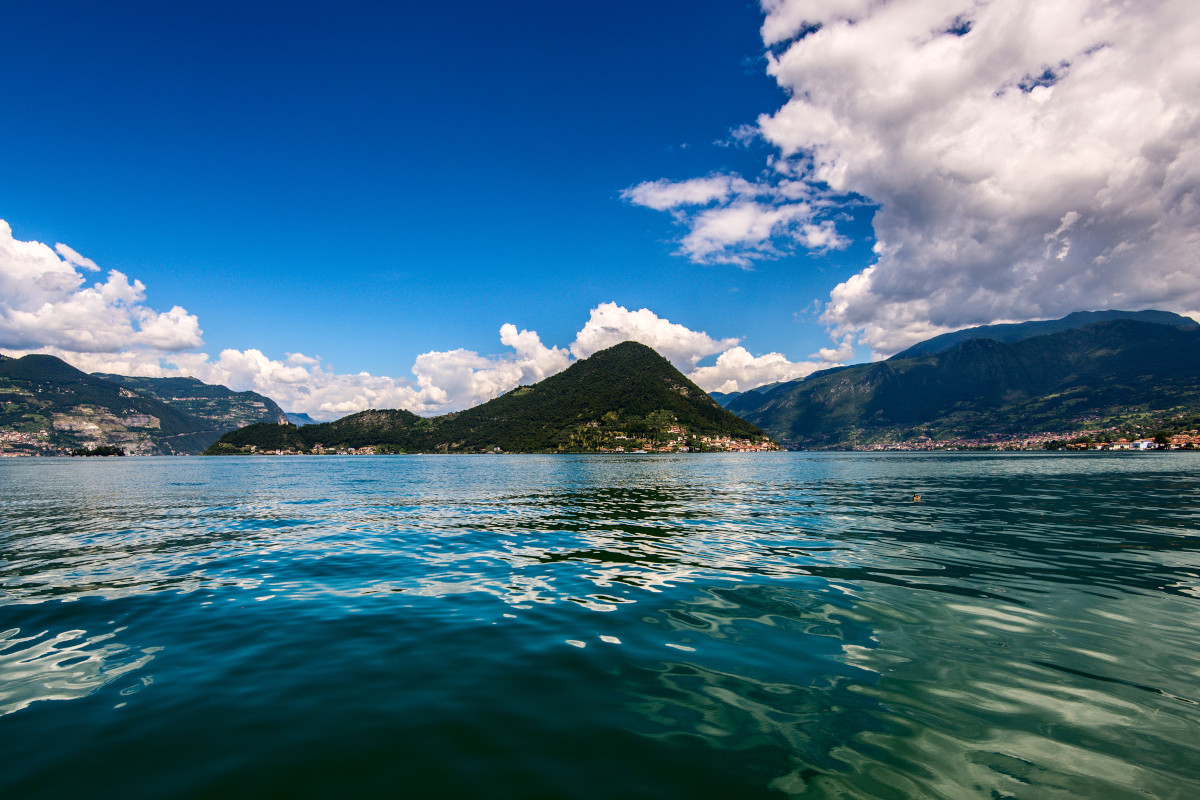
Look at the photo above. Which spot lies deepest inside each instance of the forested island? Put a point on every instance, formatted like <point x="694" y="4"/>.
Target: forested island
<point x="102" y="450"/>
<point x="624" y="399"/>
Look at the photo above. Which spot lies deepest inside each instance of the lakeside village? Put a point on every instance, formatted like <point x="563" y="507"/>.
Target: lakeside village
<point x="24" y="444"/>
<point x="679" y="442"/>
<point x="1107" y="439"/>
<point x="17" y="444"/>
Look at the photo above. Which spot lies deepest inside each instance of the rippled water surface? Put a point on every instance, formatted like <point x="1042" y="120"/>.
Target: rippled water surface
<point x="601" y="627"/>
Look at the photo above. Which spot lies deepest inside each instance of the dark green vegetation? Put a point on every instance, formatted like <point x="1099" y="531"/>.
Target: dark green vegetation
<point x="625" y="396"/>
<point x="220" y="405"/>
<point x="102" y="450"/>
<point x="1122" y="374"/>
<point x="47" y="407"/>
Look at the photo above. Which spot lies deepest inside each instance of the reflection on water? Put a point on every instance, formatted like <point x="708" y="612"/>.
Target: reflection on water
<point x="67" y="666"/>
<point x="520" y="626"/>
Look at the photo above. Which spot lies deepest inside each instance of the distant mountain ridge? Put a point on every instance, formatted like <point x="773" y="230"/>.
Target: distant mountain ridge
<point x="48" y="407"/>
<point x="1105" y="373"/>
<point x="725" y="398"/>
<point x="627" y="397"/>
<point x="1017" y="331"/>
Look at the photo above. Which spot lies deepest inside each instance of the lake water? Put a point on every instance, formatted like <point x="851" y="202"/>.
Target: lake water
<point x="602" y="626"/>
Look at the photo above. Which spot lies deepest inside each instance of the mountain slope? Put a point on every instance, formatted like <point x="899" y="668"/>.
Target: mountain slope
<point x="1018" y="331"/>
<point x="1055" y="382"/>
<point x="48" y="406"/>
<point x="222" y="407"/>
<point x="625" y="394"/>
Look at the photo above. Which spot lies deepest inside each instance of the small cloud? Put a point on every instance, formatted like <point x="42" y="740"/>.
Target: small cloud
<point x="809" y="312"/>
<point x="664" y="195"/>
<point x="837" y="355"/>
<point x="730" y="220"/>
<point x="73" y="257"/>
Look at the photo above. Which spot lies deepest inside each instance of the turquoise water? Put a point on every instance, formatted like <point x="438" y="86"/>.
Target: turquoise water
<point x="602" y="626"/>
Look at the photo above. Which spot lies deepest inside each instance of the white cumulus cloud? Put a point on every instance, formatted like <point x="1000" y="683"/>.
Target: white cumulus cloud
<point x="611" y="324"/>
<point x="44" y="302"/>
<point x="737" y="370"/>
<point x="456" y="379"/>
<point x="1029" y="157"/>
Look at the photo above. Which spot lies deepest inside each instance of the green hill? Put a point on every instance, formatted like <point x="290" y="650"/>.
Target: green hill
<point x="627" y="396"/>
<point x="1112" y="374"/>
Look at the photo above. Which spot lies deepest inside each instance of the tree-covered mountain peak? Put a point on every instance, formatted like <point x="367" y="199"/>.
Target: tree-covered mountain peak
<point x="625" y="397"/>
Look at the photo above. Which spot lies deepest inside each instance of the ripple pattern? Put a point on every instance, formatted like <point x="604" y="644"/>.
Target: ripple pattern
<point x="600" y="626"/>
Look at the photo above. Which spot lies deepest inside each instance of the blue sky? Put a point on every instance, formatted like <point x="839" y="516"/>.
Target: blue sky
<point x="367" y="183"/>
<point x="416" y="174"/>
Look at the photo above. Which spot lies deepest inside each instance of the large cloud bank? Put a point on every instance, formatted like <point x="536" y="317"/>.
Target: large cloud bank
<point x="48" y="306"/>
<point x="1029" y="157"/>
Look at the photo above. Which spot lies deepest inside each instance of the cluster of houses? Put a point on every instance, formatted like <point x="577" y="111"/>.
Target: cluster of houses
<point x="322" y="450"/>
<point x="317" y="449"/>
<point x="1181" y="441"/>
<point x="1119" y="444"/>
<point x="14" y="444"/>
<point x="679" y="443"/>
<point x="1184" y="441"/>
<point x="731" y="445"/>
<point x="1040" y="441"/>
